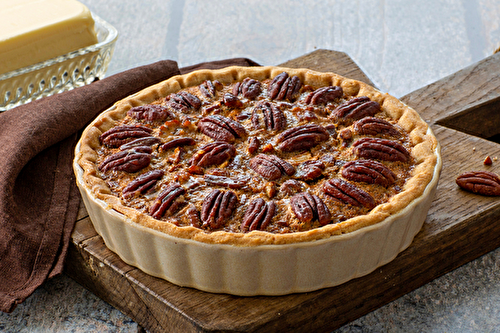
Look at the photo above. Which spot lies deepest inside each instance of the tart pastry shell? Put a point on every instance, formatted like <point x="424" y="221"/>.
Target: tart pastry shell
<point x="260" y="263"/>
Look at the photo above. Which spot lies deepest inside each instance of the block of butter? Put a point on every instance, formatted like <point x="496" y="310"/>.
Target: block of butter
<point x="32" y="31"/>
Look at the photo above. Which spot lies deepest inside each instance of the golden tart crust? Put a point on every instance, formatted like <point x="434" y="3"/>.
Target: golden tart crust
<point x="419" y="140"/>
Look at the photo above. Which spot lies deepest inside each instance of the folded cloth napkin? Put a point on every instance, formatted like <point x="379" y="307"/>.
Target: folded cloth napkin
<point x="39" y="199"/>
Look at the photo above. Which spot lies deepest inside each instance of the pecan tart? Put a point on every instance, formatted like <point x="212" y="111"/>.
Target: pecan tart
<point x="259" y="180"/>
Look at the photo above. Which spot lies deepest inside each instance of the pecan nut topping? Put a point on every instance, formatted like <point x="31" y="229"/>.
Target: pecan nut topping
<point x="119" y="135"/>
<point x="381" y="149"/>
<point x="209" y="88"/>
<point x="168" y="201"/>
<point x="150" y="112"/>
<point x="310" y="170"/>
<point x="249" y="88"/>
<point x="308" y="207"/>
<point x="368" y="171"/>
<point x="258" y="215"/>
<point x="221" y="128"/>
<point x="217" y="208"/>
<point x="274" y="118"/>
<point x="302" y="137"/>
<point x="131" y="160"/>
<point x="374" y="126"/>
<point x="284" y="87"/>
<point x="213" y="153"/>
<point x="142" y="184"/>
<point x="348" y="193"/>
<point x="324" y="95"/>
<point x="271" y="167"/>
<point x="231" y="101"/>
<point x="141" y="142"/>
<point x="480" y="182"/>
<point x="178" y="142"/>
<point x="356" y="108"/>
<point x="183" y="102"/>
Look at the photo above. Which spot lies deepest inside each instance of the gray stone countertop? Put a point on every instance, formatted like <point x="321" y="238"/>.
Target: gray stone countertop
<point x="401" y="45"/>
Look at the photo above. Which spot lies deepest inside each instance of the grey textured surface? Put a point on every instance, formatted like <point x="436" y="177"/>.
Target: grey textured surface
<point x="401" y="45"/>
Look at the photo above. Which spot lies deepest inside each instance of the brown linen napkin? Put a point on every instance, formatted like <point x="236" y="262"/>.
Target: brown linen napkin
<point x="39" y="200"/>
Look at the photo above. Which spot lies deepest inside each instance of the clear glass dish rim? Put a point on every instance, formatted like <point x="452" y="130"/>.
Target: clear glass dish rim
<point x="110" y="38"/>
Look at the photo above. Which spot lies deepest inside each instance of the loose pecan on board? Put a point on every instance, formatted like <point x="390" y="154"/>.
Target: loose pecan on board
<point x="480" y="182"/>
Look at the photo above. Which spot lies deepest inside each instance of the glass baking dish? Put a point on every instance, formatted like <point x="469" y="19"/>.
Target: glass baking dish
<point x="65" y="72"/>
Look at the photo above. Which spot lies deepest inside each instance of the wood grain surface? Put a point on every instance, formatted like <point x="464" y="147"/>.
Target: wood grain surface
<point x="460" y="227"/>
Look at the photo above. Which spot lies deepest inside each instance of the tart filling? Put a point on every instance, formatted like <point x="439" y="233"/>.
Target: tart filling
<point x="259" y="155"/>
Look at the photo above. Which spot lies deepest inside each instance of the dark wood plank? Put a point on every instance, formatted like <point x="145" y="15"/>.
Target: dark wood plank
<point x="458" y="229"/>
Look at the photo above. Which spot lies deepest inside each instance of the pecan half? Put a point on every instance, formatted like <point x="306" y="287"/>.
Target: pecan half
<point x="381" y="149"/>
<point x="271" y="167"/>
<point x="356" y="108"/>
<point x="209" y="88"/>
<point x="120" y="135"/>
<point x="221" y="128"/>
<point x="142" y="184"/>
<point x="178" y="142"/>
<point x="308" y="207"/>
<point x="141" y="142"/>
<point x="480" y="182"/>
<point x="348" y="193"/>
<point x="274" y="118"/>
<point x="249" y="88"/>
<point x="232" y="183"/>
<point x="310" y="170"/>
<point x="284" y="87"/>
<point x="131" y="160"/>
<point x="183" y="102"/>
<point x="231" y="101"/>
<point x="302" y="137"/>
<point x="374" y="126"/>
<point x="217" y="208"/>
<point x="213" y="153"/>
<point x="368" y="171"/>
<point x="258" y="215"/>
<point x="150" y="112"/>
<point x="323" y="95"/>
<point x="166" y="203"/>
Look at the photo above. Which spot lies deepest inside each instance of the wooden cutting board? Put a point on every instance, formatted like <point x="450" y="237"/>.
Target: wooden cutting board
<point x="460" y="227"/>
